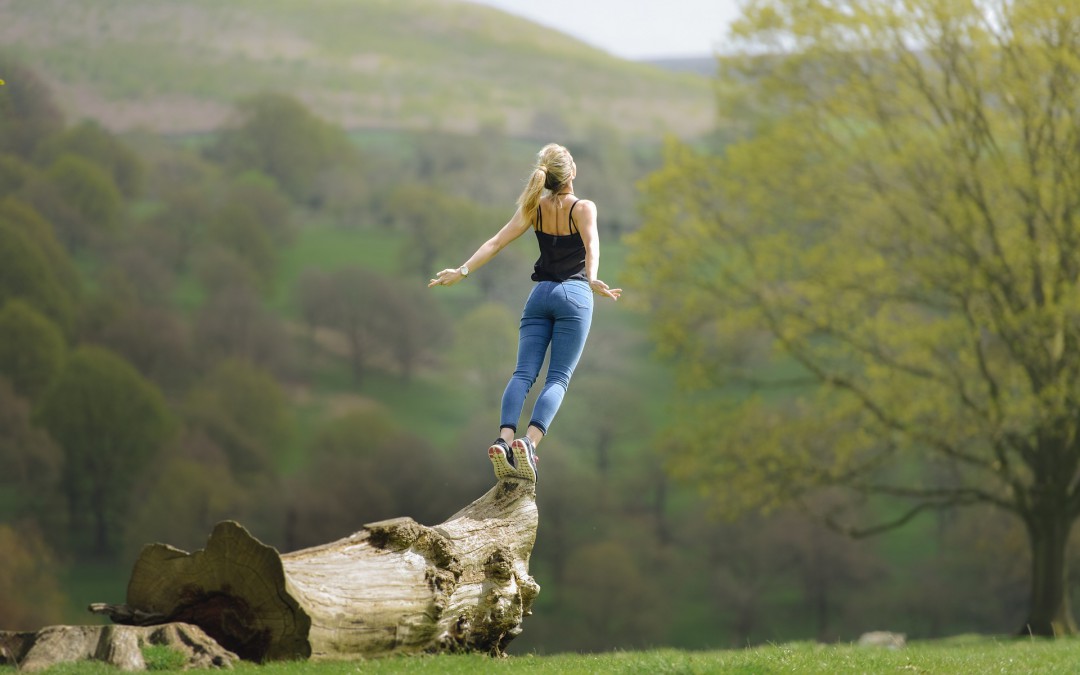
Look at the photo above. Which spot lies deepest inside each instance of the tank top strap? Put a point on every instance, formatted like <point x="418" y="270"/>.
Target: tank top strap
<point x="538" y="224"/>
<point x="573" y="225"/>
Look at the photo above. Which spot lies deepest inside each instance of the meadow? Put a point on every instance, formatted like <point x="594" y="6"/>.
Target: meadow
<point x="966" y="654"/>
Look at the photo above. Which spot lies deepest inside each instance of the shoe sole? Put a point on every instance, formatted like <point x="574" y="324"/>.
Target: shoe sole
<point x="498" y="462"/>
<point x="524" y="461"/>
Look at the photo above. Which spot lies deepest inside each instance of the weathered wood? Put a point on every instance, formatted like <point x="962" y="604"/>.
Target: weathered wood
<point x="120" y="646"/>
<point x="393" y="587"/>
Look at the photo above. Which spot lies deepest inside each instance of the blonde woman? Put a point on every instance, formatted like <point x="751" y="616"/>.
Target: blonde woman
<point x="558" y="312"/>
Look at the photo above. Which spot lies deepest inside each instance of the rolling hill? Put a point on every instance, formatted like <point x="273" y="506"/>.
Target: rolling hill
<point x="176" y="66"/>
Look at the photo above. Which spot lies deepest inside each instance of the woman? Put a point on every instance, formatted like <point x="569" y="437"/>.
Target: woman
<point x="558" y="312"/>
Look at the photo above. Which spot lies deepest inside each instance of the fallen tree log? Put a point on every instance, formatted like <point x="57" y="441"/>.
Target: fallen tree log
<point x="393" y="587"/>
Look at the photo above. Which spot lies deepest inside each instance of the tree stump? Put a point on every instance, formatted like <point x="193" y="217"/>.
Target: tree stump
<point x="393" y="587"/>
<point x="120" y="646"/>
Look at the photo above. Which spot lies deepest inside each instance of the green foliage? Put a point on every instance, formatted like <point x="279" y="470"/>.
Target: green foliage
<point x="25" y="274"/>
<point x="80" y="200"/>
<point x="363" y="462"/>
<point x="111" y="423"/>
<point x="14" y="173"/>
<point x="27" y="108"/>
<point x="32" y="465"/>
<point x="24" y="218"/>
<point x="91" y="141"/>
<point x="237" y="229"/>
<point x="276" y="135"/>
<point x="243" y="409"/>
<point x="891" y="226"/>
<point x="31" y="348"/>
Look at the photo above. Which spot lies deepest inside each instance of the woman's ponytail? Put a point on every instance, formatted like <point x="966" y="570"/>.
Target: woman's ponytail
<point x="530" y="196"/>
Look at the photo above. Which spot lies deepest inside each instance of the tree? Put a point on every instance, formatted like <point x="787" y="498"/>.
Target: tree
<point x="32" y="348"/>
<point x="91" y="141"/>
<point x="276" y="135"/>
<point x="110" y="422"/>
<point x="29" y="483"/>
<point x="21" y="216"/>
<point x="363" y="462"/>
<point x="27" y="108"/>
<point x="79" y="198"/>
<point x="896" y="223"/>
<point x="243" y="409"/>
<point x="356" y="313"/>
<point x="25" y="274"/>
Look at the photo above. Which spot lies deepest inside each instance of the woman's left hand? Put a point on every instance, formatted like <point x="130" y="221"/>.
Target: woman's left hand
<point x="447" y="277"/>
<point x="600" y="288"/>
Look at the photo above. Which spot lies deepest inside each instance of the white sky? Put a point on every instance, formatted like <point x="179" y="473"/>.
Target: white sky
<point x="634" y="29"/>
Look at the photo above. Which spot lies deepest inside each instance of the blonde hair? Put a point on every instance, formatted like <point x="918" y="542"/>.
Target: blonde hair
<point x="554" y="168"/>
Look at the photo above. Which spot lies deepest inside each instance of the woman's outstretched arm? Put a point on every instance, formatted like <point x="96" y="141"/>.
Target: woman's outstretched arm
<point x="513" y="229"/>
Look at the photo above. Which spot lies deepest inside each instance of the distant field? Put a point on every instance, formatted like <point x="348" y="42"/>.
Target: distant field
<point x="178" y="67"/>
<point x="959" y="655"/>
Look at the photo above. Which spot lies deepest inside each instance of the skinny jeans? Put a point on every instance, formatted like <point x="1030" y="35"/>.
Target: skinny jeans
<point x="556" y="315"/>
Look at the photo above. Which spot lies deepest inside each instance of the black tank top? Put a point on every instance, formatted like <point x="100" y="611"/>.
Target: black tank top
<point x="562" y="257"/>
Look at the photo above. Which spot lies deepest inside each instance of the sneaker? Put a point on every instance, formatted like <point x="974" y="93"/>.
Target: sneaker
<point x="525" y="458"/>
<point x="501" y="457"/>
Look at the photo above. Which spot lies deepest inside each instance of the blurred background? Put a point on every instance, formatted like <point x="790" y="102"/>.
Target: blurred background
<point x="216" y="225"/>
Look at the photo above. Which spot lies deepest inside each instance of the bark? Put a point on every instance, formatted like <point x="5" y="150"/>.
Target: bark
<point x="394" y="587"/>
<point x="1050" y="612"/>
<point x="119" y="646"/>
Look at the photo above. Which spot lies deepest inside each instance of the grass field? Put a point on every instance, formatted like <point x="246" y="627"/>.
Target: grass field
<point x="968" y="654"/>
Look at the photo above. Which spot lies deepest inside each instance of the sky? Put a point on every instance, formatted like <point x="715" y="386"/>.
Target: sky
<point x="634" y="29"/>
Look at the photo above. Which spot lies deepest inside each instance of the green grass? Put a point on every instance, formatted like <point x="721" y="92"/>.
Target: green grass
<point x="957" y="655"/>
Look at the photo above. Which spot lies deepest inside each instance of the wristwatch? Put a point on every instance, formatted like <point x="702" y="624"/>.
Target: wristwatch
<point x="464" y="269"/>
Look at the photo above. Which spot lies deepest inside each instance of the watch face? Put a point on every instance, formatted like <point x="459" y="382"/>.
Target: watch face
<point x="464" y="270"/>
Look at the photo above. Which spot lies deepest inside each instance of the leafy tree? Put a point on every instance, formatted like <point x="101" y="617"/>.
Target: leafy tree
<point x="23" y="217"/>
<point x="411" y="322"/>
<point x="31" y="348"/>
<point x="91" y="141"/>
<point x="315" y="297"/>
<point x="237" y="228"/>
<point x="364" y="468"/>
<point x="110" y="422"/>
<point x="14" y="173"/>
<point x="436" y="222"/>
<point x="27" y="107"/>
<point x="152" y="338"/>
<point x="79" y="198"/>
<point x="25" y="274"/>
<point x="243" y="409"/>
<point x="30" y="481"/>
<point x="359" y="298"/>
<point x="182" y="498"/>
<point x="233" y="324"/>
<point x="898" y="226"/>
<point x="276" y="135"/>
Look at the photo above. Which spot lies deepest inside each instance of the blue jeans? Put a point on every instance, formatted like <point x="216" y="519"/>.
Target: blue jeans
<point x="559" y="315"/>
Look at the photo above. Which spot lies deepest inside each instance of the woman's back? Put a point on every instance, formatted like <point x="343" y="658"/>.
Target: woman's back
<point x="555" y="215"/>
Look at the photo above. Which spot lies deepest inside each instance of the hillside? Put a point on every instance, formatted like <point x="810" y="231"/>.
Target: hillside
<point x="176" y="66"/>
